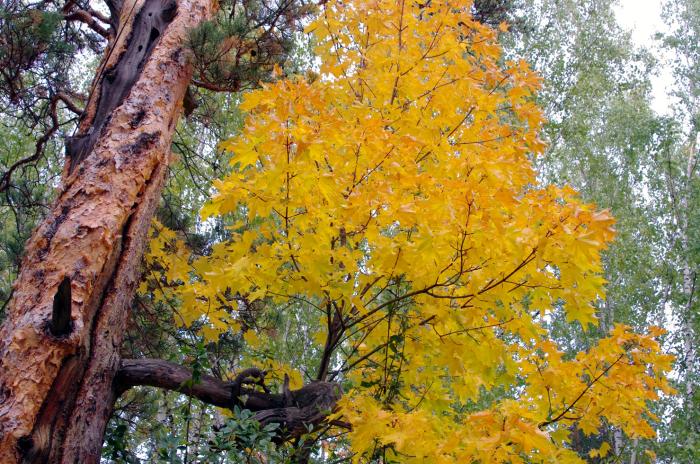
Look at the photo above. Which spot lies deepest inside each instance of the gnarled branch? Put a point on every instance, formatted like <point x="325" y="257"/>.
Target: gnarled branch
<point x="293" y="410"/>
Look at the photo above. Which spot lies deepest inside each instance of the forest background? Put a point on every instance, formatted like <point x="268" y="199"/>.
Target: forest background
<point x="604" y="138"/>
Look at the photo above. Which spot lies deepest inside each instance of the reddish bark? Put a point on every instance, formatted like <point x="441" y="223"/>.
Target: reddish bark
<point x="56" y="391"/>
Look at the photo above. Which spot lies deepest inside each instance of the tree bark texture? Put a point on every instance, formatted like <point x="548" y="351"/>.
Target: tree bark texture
<point x="56" y="391"/>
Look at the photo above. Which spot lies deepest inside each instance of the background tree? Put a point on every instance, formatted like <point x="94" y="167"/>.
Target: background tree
<point x="606" y="140"/>
<point x="678" y="189"/>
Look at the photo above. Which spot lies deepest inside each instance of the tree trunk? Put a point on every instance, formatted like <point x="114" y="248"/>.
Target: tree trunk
<point x="59" y="346"/>
<point x="688" y="274"/>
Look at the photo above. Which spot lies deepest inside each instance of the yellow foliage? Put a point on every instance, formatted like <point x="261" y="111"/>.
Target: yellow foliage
<point x="396" y="192"/>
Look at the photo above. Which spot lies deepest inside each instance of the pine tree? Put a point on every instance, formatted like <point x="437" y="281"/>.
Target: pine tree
<point x="65" y="322"/>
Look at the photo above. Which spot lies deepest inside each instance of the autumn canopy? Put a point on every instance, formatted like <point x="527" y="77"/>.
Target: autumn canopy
<point x="391" y="197"/>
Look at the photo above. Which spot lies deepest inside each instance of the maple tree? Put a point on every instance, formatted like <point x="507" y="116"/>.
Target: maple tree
<point x="392" y="196"/>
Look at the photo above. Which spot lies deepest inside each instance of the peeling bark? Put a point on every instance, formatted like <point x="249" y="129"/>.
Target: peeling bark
<point x="95" y="400"/>
<point x="55" y="391"/>
<point x="293" y="410"/>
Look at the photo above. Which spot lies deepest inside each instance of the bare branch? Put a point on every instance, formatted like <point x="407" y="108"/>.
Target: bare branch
<point x="6" y="178"/>
<point x="89" y="20"/>
<point x="69" y="103"/>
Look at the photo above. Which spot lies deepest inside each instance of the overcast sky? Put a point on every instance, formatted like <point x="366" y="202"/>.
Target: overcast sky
<point x="643" y="18"/>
